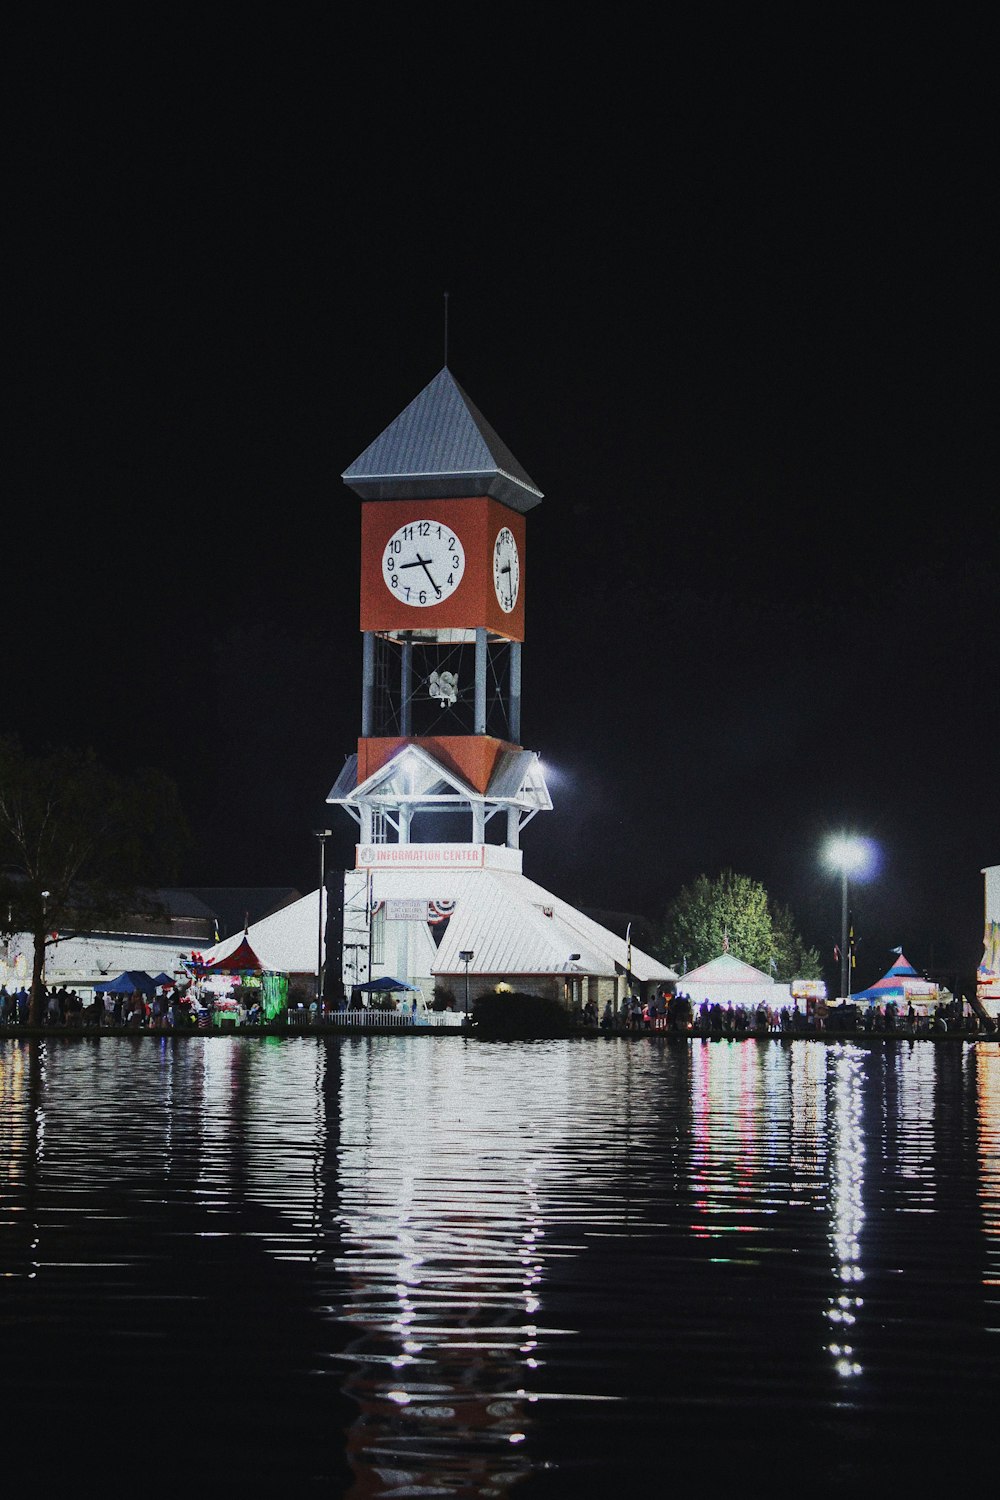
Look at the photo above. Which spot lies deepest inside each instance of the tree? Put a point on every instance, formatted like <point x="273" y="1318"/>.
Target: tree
<point x="734" y="912"/>
<point x="75" y="842"/>
<point x="793" y="959"/>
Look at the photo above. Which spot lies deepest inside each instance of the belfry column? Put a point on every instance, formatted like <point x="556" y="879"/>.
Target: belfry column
<point x="368" y="684"/>
<point x="515" y="695"/>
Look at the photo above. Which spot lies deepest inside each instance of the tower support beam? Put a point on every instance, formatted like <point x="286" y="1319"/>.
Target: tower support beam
<point x="406" y="688"/>
<point x="515" y="691"/>
<point x="368" y="684"/>
<point x="481" y="664"/>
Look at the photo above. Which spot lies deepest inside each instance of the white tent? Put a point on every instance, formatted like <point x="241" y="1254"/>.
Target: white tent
<point x="728" y="979"/>
<point x="515" y="929"/>
<point x="286" y="942"/>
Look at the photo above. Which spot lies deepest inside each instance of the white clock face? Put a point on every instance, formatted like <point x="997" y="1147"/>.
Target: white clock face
<point x="506" y="570"/>
<point x="423" y="563"/>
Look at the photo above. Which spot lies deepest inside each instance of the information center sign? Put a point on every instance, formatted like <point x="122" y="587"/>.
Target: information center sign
<point x="436" y="857"/>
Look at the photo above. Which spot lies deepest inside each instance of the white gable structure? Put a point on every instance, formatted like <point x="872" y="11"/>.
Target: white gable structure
<point x="415" y="916"/>
<point x="727" y="979"/>
<point x="286" y="942"/>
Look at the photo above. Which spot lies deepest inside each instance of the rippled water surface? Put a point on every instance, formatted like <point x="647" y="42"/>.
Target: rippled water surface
<point x="400" y="1266"/>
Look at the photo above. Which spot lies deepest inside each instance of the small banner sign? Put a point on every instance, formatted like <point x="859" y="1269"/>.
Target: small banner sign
<point x="410" y="909"/>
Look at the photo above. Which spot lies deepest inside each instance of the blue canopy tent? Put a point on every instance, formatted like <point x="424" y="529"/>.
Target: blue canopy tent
<point x="129" y="983"/>
<point x="384" y="985"/>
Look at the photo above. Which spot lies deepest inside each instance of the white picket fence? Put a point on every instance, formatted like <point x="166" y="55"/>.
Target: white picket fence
<point x="400" y="1020"/>
<point x="381" y="1020"/>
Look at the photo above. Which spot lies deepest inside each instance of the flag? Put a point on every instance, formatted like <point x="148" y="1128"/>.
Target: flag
<point x="216" y="929"/>
<point x="898" y="951"/>
<point x="853" y="953"/>
<point x="836" y="952"/>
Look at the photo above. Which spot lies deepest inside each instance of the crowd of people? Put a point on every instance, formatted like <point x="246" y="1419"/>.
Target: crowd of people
<point x="672" y="1012"/>
<point x="65" y="1009"/>
<point x="675" y="1013"/>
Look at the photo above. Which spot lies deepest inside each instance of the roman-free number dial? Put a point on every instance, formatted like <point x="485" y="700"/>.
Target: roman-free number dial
<point x="506" y="569"/>
<point x="423" y="563"/>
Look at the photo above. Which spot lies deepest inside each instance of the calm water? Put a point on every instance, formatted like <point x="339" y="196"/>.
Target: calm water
<point x="401" y="1266"/>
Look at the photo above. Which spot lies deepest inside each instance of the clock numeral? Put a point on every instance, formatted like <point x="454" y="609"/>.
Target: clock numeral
<point x="423" y="562"/>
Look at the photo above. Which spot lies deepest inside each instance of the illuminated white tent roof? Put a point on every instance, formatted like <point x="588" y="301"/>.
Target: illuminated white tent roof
<point x="727" y="978"/>
<point x="286" y="942"/>
<point x="513" y="926"/>
<point x="517" y="927"/>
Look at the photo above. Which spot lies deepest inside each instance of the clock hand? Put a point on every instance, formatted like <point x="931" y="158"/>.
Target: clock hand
<point x="421" y="562"/>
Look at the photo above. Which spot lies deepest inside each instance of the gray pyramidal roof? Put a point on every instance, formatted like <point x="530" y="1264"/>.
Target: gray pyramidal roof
<point x="441" y="447"/>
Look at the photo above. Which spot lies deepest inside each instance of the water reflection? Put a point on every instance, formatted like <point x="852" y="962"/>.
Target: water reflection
<point x="988" y="1143"/>
<point x="847" y="1215"/>
<point x="444" y="1174"/>
<point x="461" y="1269"/>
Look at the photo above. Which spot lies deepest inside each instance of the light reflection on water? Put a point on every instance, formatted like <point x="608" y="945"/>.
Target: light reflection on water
<point x="520" y="1266"/>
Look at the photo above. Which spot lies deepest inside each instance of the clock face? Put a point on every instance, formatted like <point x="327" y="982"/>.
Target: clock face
<point x="423" y="563"/>
<point x="506" y="569"/>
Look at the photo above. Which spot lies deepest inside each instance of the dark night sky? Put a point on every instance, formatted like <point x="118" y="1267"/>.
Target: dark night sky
<point x="725" y="294"/>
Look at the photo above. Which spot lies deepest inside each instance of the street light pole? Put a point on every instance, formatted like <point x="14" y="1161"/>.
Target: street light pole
<point x="322" y="834"/>
<point x="845" y="957"/>
<point x="846" y="855"/>
<point x="467" y="956"/>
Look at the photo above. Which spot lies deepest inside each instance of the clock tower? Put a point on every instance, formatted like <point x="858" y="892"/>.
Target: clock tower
<point x="443" y="588"/>
<point x="440" y="785"/>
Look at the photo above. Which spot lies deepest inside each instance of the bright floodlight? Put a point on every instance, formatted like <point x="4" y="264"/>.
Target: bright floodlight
<point x="849" y="855"/>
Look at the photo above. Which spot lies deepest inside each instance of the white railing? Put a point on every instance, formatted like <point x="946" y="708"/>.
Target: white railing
<point x="401" y="1020"/>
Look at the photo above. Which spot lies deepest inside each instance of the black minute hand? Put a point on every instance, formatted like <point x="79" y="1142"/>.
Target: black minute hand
<point x="421" y="562"/>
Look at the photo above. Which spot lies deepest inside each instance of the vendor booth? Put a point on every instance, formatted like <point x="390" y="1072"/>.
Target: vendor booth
<point x="902" y="986"/>
<point x="249" y="985"/>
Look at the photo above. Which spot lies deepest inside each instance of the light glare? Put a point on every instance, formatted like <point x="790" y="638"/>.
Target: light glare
<point x="850" y="854"/>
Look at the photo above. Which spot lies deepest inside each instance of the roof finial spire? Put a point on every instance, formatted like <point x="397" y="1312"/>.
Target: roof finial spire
<point x="446" y="330"/>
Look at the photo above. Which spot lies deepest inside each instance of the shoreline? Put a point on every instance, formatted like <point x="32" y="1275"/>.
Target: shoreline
<point x="329" y="1029"/>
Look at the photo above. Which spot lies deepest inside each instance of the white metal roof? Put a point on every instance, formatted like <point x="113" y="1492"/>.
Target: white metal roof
<point x="415" y="776"/>
<point x="511" y="924"/>
<point x="286" y="942"/>
<point x="514" y="926"/>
